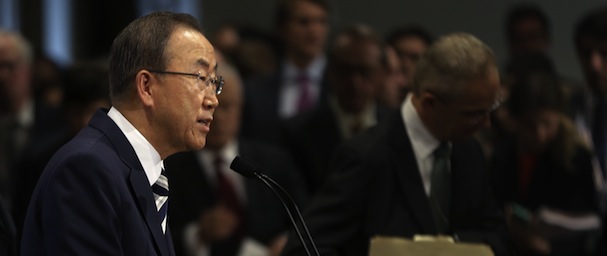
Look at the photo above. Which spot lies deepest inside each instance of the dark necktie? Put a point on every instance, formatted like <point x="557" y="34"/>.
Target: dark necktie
<point x="356" y="126"/>
<point x="161" y="196"/>
<point x="440" y="188"/>
<point x="304" y="101"/>
<point x="599" y="132"/>
<point x="227" y="194"/>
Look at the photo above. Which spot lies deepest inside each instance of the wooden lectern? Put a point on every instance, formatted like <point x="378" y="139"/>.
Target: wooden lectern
<point x="426" y="246"/>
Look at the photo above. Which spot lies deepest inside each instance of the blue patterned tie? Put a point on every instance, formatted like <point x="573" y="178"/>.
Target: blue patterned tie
<point x="161" y="196"/>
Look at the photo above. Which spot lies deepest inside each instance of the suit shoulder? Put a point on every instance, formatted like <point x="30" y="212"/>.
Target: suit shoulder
<point x="262" y="83"/>
<point x="369" y="139"/>
<point x="88" y="148"/>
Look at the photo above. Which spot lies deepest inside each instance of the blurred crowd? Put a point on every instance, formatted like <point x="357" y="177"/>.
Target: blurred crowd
<point x="293" y="96"/>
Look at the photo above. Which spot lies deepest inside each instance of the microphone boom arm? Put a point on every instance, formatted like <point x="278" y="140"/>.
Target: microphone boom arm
<point x="262" y="177"/>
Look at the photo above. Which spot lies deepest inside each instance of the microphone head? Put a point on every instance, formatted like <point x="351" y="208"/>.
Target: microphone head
<point x="244" y="167"/>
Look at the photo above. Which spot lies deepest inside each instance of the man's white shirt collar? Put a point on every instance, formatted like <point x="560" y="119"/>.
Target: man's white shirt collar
<point x="314" y="71"/>
<point x="147" y="154"/>
<point x="422" y="140"/>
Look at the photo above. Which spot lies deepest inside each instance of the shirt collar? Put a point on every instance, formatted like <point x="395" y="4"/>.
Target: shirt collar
<point x="146" y="153"/>
<point x="207" y="159"/>
<point x="422" y="141"/>
<point x="228" y="152"/>
<point x="367" y="116"/>
<point x="25" y="117"/>
<point x="315" y="70"/>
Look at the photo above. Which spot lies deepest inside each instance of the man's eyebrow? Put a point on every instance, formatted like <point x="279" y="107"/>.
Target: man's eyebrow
<point x="203" y="63"/>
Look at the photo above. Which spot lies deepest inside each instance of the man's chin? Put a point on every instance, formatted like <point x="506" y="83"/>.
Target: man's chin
<point x="197" y="145"/>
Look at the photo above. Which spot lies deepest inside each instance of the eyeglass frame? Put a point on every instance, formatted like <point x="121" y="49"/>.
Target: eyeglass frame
<point x="487" y="113"/>
<point x="217" y="81"/>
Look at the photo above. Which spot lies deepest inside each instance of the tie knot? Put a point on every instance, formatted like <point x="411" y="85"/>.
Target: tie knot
<point x="302" y="78"/>
<point x="443" y="151"/>
<point x="161" y="186"/>
<point x="218" y="161"/>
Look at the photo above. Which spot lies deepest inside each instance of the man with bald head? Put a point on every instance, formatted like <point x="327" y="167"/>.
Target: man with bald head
<point x="418" y="171"/>
<point x="105" y="192"/>
<point x="214" y="210"/>
<point x="22" y="120"/>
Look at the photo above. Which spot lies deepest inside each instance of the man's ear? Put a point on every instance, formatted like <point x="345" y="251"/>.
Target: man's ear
<point x="428" y="100"/>
<point x="143" y="88"/>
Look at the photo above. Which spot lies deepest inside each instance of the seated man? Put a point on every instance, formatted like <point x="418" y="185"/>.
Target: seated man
<point x="214" y="210"/>
<point x="417" y="172"/>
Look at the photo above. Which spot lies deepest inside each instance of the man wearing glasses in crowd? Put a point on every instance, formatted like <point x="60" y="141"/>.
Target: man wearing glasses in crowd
<point x="105" y="192"/>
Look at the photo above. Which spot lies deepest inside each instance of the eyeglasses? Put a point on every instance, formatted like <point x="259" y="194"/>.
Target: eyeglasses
<point x="476" y="117"/>
<point x="215" y="81"/>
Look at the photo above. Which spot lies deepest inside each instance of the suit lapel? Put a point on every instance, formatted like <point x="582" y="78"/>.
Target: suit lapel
<point x="142" y="192"/>
<point x="143" y="195"/>
<point x="408" y="175"/>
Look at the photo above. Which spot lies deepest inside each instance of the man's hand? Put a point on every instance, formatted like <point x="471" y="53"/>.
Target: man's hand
<point x="216" y="224"/>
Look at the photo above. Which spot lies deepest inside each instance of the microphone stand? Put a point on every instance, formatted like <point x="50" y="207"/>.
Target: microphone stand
<point x="303" y="223"/>
<point x="249" y="170"/>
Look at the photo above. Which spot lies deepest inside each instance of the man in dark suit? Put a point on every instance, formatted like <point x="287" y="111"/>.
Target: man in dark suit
<point x="85" y="89"/>
<point x="214" y="209"/>
<point x="417" y="172"/>
<point x="298" y="85"/>
<point x="23" y="119"/>
<point x="356" y="70"/>
<point x="105" y="191"/>
<point x="591" y="44"/>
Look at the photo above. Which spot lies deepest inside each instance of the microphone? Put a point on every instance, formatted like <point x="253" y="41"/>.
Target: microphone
<point x="250" y="170"/>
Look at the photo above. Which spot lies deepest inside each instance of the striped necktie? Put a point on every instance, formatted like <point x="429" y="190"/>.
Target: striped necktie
<point x="161" y="196"/>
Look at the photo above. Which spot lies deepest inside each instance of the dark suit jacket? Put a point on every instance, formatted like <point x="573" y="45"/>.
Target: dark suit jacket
<point x="47" y="122"/>
<point x="27" y="171"/>
<point x="312" y="138"/>
<point x="261" y="119"/>
<point x="550" y="185"/>
<point x="94" y="198"/>
<point x="377" y="190"/>
<point x="192" y="194"/>
<point x="553" y="186"/>
<point x="7" y="233"/>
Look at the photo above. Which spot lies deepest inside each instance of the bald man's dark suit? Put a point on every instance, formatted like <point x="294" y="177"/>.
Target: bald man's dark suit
<point x="265" y="217"/>
<point x="94" y="198"/>
<point x="377" y="190"/>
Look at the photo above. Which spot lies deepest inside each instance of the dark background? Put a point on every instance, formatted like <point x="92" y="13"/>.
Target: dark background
<point x="94" y="24"/>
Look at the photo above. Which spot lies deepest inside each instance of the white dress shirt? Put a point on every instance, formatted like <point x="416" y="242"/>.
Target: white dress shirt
<point x="147" y="154"/>
<point x="228" y="153"/>
<point x="345" y="120"/>
<point x="289" y="90"/>
<point x="422" y="141"/>
<point x="249" y="246"/>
